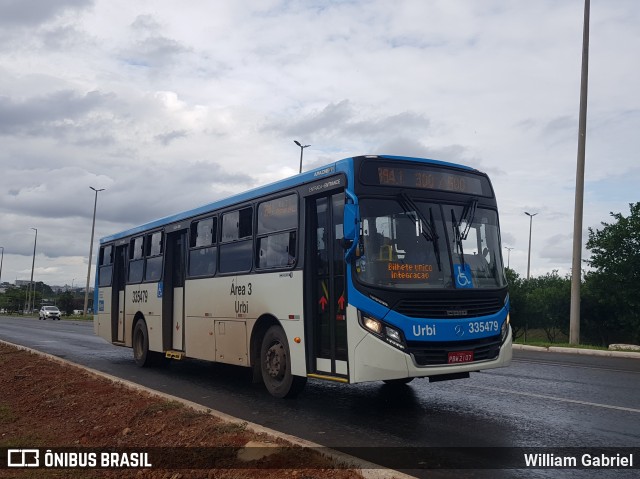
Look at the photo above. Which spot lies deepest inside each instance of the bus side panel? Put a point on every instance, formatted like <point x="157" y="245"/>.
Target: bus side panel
<point x="143" y="299"/>
<point x="153" y="315"/>
<point x="201" y="296"/>
<point x="231" y="342"/>
<point x="295" y="329"/>
<point x="102" y="314"/>
<point x="278" y="294"/>
<point x="221" y="313"/>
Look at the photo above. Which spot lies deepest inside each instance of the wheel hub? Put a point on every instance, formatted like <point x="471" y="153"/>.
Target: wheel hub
<point x="275" y="361"/>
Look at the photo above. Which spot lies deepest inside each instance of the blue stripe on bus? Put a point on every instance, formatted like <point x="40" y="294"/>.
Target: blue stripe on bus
<point x="444" y="329"/>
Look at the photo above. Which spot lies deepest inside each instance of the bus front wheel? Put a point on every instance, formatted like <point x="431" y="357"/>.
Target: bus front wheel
<point x="275" y="363"/>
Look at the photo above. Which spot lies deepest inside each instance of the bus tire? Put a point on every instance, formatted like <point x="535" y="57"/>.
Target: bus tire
<point x="398" y="382"/>
<point x="275" y="364"/>
<point x="141" y="353"/>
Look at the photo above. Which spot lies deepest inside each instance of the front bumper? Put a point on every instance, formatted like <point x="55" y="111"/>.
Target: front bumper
<point x="376" y="360"/>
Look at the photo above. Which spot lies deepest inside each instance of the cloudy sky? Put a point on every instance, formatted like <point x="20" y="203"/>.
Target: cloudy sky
<point x="169" y="105"/>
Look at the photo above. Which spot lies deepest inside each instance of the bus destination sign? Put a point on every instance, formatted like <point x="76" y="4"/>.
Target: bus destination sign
<point x="426" y="178"/>
<point x="429" y="180"/>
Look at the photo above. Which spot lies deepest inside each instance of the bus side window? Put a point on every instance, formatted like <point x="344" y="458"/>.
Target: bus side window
<point x="236" y="250"/>
<point x="105" y="270"/>
<point x="154" y="250"/>
<point x="277" y="233"/>
<point x="136" y="260"/>
<point x="202" y="253"/>
<point x="276" y="251"/>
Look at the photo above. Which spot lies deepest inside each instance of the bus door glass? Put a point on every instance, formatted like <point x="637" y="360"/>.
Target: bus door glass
<point x="328" y="285"/>
<point x="117" y="293"/>
<point x="173" y="291"/>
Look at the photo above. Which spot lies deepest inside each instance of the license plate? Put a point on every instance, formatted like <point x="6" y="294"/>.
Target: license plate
<point x="456" y="357"/>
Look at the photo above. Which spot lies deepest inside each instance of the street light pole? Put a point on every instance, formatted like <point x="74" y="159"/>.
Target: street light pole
<point x="508" y="255"/>
<point x="33" y="263"/>
<point x="302" y="147"/>
<point x="1" y="260"/>
<point x="93" y="225"/>
<point x="576" y="267"/>
<point x="530" y="227"/>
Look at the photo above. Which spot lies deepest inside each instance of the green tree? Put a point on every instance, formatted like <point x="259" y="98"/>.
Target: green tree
<point x="615" y="256"/>
<point x="517" y="303"/>
<point x="598" y="322"/>
<point x="66" y="302"/>
<point x="14" y="299"/>
<point x="549" y="300"/>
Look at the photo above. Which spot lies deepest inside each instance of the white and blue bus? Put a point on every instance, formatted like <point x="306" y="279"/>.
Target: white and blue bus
<point x="373" y="268"/>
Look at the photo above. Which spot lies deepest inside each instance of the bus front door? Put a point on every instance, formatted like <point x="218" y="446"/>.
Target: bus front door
<point x="173" y="291"/>
<point x="326" y="276"/>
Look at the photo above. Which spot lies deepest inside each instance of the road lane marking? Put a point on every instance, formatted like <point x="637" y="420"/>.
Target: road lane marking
<point x="578" y="366"/>
<point x="553" y="398"/>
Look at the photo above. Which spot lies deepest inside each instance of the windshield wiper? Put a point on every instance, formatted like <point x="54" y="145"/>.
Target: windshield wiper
<point x="428" y="230"/>
<point x="467" y="216"/>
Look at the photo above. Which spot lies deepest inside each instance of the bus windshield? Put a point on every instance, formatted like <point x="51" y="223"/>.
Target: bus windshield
<point x="409" y="243"/>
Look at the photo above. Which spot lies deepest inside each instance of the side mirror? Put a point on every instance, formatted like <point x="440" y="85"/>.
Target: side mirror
<point x="351" y="220"/>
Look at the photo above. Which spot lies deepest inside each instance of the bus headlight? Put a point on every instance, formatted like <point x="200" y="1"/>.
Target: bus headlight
<point x="505" y="327"/>
<point x="392" y="334"/>
<point x="381" y="330"/>
<point x="372" y="325"/>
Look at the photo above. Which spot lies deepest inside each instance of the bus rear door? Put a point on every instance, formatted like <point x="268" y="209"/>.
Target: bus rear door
<point x="117" y="294"/>
<point x="173" y="291"/>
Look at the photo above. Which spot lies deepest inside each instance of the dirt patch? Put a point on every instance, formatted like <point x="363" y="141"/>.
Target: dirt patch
<point x="48" y="404"/>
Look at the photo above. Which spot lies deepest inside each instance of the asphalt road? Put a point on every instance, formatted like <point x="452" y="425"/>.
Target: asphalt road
<point x="543" y="400"/>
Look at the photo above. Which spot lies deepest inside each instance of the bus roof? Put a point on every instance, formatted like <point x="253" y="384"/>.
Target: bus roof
<point x="299" y="179"/>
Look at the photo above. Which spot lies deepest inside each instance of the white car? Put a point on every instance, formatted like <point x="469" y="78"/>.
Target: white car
<point x="50" y="312"/>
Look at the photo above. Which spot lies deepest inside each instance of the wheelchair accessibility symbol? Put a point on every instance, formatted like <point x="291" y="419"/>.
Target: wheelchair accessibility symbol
<point x="463" y="276"/>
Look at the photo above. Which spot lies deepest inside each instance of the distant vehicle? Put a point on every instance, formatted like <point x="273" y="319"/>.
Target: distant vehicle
<point x="50" y="312"/>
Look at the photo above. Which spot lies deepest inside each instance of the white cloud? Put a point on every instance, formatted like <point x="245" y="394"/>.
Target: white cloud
<point x="170" y="106"/>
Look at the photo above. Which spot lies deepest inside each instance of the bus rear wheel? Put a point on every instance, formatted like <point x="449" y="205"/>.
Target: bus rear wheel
<point x="141" y="354"/>
<point x="275" y="364"/>
<point x="141" y="344"/>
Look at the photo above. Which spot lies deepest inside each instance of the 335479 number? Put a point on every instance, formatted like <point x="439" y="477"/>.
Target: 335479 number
<point x="140" y="296"/>
<point x="483" y="327"/>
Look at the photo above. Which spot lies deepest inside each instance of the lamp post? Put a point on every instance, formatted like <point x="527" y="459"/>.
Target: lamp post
<point x="93" y="225"/>
<point x="1" y="260"/>
<point x="33" y="263"/>
<point x="508" y="255"/>
<point x="576" y="267"/>
<point x="530" y="227"/>
<point x="302" y="147"/>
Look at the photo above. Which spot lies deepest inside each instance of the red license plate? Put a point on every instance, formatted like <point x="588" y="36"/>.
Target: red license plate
<point x="456" y="357"/>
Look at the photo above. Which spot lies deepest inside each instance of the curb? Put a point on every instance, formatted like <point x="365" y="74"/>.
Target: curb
<point x="367" y="469"/>
<point x="578" y="351"/>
